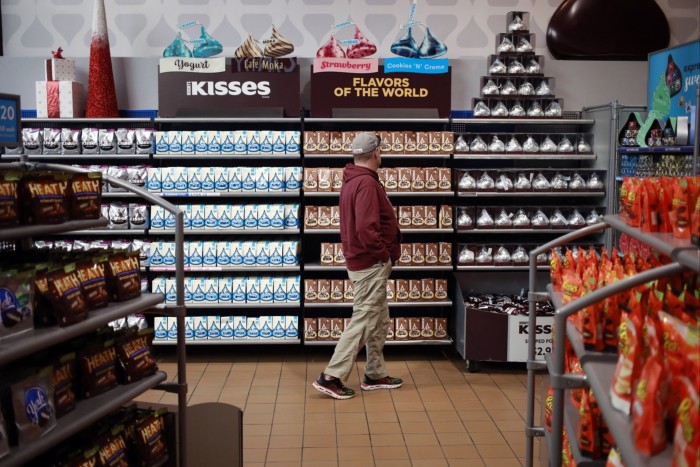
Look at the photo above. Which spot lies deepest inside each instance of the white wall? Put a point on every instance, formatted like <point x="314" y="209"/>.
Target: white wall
<point x="140" y="29"/>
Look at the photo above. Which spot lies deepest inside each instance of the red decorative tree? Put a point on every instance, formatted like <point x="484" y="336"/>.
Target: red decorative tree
<point x="101" y="95"/>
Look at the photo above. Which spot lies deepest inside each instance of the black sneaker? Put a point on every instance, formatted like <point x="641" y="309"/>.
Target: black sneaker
<point x="333" y="388"/>
<point x="386" y="382"/>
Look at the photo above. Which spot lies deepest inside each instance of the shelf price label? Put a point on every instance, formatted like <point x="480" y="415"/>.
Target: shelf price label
<point x="519" y="336"/>
<point x="9" y="120"/>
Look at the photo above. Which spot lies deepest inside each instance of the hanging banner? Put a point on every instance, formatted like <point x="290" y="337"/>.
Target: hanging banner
<point x="248" y="87"/>
<point x="380" y="90"/>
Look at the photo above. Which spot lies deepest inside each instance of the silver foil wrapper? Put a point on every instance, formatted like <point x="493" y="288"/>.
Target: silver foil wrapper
<point x="526" y="89"/>
<point x="535" y="110"/>
<point x="593" y="218"/>
<point x="484" y="219"/>
<point x="517" y="24"/>
<point x="464" y="219"/>
<point x="565" y="145"/>
<point x="530" y="145"/>
<point x="503" y="220"/>
<point x="523" y="46"/>
<point x="533" y="67"/>
<point x="521" y="219"/>
<point x="577" y="182"/>
<point x="484" y="255"/>
<point x="548" y="145"/>
<point x="481" y="110"/>
<point x="553" y="110"/>
<point x="461" y="145"/>
<point x="517" y="110"/>
<point x="522" y="182"/>
<point x="543" y="89"/>
<point x="505" y="46"/>
<point x="485" y="182"/>
<point x="541" y="183"/>
<point x="503" y="183"/>
<point x="502" y="255"/>
<point x="520" y="255"/>
<point x="499" y="110"/>
<point x="513" y="145"/>
<point x="583" y="146"/>
<point x="497" y="67"/>
<point x="490" y="89"/>
<point x="478" y="145"/>
<point x="539" y="219"/>
<point x="558" y="219"/>
<point x="576" y="219"/>
<point x="559" y="182"/>
<point x="467" y="182"/>
<point x="595" y="182"/>
<point x="466" y="256"/>
<point x="496" y="145"/>
<point x="516" y="68"/>
<point x="509" y="89"/>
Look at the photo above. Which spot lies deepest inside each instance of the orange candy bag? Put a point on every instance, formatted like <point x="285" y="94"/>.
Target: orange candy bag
<point x="628" y="362"/>
<point x="686" y="433"/>
<point x="588" y="428"/>
<point x="680" y="209"/>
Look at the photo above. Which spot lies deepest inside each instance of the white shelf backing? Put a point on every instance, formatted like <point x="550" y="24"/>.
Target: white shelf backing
<point x="677" y="249"/>
<point x="500" y="268"/>
<point x="227" y="231"/>
<point x="403" y="231"/>
<point x="391" y="343"/>
<point x="230" y="342"/>
<point x="538" y="156"/>
<point x="21" y="345"/>
<point x="391" y="194"/>
<point x="242" y="268"/>
<point x="443" y="303"/>
<point x="531" y="194"/>
<point x="27" y="231"/>
<point x="236" y="306"/>
<point x="229" y="194"/>
<point x="523" y="231"/>
<point x="86" y="413"/>
<point x="207" y="157"/>
<point x="322" y="267"/>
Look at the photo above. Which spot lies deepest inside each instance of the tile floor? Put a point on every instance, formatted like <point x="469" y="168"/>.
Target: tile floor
<point x="442" y="416"/>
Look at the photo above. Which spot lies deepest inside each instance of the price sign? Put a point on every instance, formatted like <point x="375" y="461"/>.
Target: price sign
<point x="519" y="335"/>
<point x="9" y="120"/>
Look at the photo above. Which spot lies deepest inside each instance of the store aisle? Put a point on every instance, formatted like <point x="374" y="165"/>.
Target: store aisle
<point x="442" y="416"/>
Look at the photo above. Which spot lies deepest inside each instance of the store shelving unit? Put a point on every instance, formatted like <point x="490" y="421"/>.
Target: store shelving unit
<point x="599" y="367"/>
<point x="231" y="342"/>
<point x="391" y="343"/>
<point x="91" y="410"/>
<point x="444" y="303"/>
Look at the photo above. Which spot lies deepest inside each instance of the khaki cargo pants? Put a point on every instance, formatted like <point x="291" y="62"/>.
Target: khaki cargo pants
<point x="368" y="326"/>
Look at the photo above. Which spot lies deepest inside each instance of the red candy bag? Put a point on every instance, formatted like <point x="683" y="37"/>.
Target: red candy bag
<point x="628" y="362"/>
<point x="686" y="433"/>
<point x="648" y="408"/>
<point x="680" y="210"/>
<point x="588" y="428"/>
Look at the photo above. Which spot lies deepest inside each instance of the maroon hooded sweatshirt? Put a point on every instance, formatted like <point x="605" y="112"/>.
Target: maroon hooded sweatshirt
<point x="368" y="227"/>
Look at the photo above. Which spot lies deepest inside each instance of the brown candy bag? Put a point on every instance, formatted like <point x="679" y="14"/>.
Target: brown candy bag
<point x="45" y="198"/>
<point x="124" y="276"/>
<point x="134" y="353"/>
<point x="63" y="382"/>
<point x="112" y="451"/>
<point x="66" y="295"/>
<point x="150" y="440"/>
<point x="93" y="283"/>
<point x="98" y="369"/>
<point x="85" y="196"/>
<point x="9" y="198"/>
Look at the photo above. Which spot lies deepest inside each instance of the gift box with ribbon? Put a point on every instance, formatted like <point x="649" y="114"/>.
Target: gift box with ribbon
<point x="59" y="99"/>
<point x="59" y="69"/>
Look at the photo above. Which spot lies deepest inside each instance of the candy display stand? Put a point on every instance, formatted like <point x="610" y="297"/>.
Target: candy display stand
<point x="91" y="410"/>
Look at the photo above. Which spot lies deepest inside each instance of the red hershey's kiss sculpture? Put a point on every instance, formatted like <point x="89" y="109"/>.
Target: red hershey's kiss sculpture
<point x="101" y="95"/>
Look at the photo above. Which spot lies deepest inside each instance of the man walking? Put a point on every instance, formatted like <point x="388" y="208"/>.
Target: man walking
<point x="371" y="244"/>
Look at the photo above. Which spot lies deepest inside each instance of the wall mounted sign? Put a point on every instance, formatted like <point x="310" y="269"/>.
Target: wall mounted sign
<point x="247" y="87"/>
<point x="10" y="127"/>
<point x="674" y="76"/>
<point x="380" y="90"/>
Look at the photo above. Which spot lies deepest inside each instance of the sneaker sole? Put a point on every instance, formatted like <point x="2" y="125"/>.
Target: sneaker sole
<point x="328" y="392"/>
<point x="373" y="387"/>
